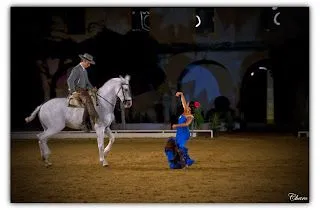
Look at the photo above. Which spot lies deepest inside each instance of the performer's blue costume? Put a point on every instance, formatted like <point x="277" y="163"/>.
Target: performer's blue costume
<point x="182" y="136"/>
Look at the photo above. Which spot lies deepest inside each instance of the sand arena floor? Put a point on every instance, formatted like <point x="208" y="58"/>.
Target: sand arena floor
<point x="229" y="169"/>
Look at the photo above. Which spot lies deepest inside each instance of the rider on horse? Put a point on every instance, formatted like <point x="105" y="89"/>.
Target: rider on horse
<point x="78" y="82"/>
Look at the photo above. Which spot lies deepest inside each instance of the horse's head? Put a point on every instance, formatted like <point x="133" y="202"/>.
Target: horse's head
<point x="124" y="92"/>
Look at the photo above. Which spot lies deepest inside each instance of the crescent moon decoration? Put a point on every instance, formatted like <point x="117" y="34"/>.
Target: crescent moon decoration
<point x="275" y="19"/>
<point x="263" y="68"/>
<point x="143" y="19"/>
<point x="199" y="21"/>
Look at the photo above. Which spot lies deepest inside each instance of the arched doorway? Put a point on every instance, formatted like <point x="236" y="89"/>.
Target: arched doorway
<point x="253" y="99"/>
<point x="204" y="80"/>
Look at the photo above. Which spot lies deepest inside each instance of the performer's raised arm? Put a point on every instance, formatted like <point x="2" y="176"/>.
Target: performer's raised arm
<point x="183" y="100"/>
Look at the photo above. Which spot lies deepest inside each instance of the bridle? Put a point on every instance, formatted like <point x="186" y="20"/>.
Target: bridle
<point x="124" y="97"/>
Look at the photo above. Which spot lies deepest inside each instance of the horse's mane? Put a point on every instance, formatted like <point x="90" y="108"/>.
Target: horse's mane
<point x="124" y="80"/>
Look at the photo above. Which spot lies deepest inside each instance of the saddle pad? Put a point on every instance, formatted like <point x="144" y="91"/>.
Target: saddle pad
<point x="74" y="101"/>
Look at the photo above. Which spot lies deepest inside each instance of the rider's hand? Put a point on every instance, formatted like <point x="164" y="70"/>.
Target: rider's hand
<point x="71" y="92"/>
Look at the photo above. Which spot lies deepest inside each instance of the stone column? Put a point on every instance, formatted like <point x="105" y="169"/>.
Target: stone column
<point x="270" y="99"/>
<point x="123" y="116"/>
<point x="166" y="102"/>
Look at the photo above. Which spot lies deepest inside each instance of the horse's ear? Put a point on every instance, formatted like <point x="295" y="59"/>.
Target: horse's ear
<point x="120" y="77"/>
<point x="127" y="77"/>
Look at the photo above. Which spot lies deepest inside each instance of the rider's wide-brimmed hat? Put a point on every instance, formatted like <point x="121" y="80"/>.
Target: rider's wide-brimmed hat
<point x="87" y="57"/>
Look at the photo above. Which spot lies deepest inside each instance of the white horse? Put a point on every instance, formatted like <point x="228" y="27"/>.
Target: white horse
<point x="55" y="115"/>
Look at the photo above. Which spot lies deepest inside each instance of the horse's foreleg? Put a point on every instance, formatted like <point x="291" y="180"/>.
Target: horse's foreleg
<point x="111" y="141"/>
<point x="100" y="141"/>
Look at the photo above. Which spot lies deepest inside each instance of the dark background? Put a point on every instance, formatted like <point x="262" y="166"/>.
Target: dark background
<point x="289" y="61"/>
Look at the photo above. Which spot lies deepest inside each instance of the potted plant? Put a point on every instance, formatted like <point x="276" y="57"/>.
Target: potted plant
<point x="215" y="123"/>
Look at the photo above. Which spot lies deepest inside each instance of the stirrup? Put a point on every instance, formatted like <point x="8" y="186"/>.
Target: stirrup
<point x="85" y="128"/>
<point x="95" y="120"/>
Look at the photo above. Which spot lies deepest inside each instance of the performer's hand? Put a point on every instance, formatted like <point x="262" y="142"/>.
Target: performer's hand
<point x="174" y="126"/>
<point x="179" y="94"/>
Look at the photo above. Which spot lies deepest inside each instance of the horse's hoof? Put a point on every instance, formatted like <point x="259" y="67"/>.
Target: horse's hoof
<point x="48" y="165"/>
<point x="105" y="163"/>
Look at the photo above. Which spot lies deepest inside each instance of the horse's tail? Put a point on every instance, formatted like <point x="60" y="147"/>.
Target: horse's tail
<point x="33" y="114"/>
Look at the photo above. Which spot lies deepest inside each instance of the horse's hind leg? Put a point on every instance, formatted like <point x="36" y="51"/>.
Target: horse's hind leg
<point x="40" y="147"/>
<point x="44" y="149"/>
<point x="39" y="142"/>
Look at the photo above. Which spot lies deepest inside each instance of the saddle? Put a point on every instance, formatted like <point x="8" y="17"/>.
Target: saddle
<point x="75" y="101"/>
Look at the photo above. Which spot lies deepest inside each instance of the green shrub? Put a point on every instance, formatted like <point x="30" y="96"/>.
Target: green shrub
<point x="198" y="118"/>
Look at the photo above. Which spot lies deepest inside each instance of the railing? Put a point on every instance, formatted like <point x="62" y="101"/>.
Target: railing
<point x="300" y="133"/>
<point x="117" y="133"/>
